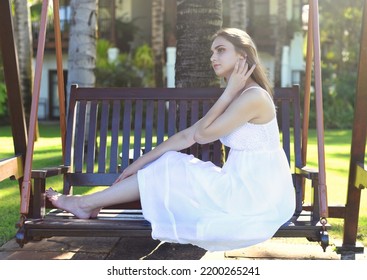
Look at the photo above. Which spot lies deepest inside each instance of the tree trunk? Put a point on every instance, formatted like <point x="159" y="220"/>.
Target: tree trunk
<point x="197" y="21"/>
<point x="158" y="40"/>
<point x="82" y="43"/>
<point x="238" y="14"/>
<point x="23" y="37"/>
<point x="281" y="41"/>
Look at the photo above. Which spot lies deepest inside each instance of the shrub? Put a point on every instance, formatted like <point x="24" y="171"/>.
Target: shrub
<point x="130" y="70"/>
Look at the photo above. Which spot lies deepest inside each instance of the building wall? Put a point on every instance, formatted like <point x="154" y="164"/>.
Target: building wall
<point x="142" y="17"/>
<point x="139" y="11"/>
<point x="49" y="63"/>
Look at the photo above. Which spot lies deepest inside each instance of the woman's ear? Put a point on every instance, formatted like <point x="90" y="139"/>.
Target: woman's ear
<point x="242" y="54"/>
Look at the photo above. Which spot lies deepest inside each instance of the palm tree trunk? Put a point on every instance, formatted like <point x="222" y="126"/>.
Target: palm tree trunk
<point x="158" y="40"/>
<point x="82" y="47"/>
<point x="82" y="43"/>
<point x="238" y="14"/>
<point x="281" y="41"/>
<point x="197" y="21"/>
<point x="23" y="37"/>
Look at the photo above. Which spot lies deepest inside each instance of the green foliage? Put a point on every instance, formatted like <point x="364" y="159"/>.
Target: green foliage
<point x="339" y="54"/>
<point x="130" y="70"/>
<point x="3" y="97"/>
<point x="338" y="97"/>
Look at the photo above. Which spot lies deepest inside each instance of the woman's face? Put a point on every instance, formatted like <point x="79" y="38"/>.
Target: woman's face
<point x="224" y="57"/>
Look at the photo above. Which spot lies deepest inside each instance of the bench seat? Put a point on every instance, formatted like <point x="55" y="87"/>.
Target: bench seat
<point x="108" y="128"/>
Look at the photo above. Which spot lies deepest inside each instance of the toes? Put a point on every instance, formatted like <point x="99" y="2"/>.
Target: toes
<point x="50" y="192"/>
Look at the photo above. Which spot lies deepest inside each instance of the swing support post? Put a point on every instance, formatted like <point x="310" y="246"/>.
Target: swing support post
<point x="319" y="112"/>
<point x="60" y="74"/>
<point x="357" y="171"/>
<point x="27" y="184"/>
<point x="314" y="55"/>
<point x="12" y="166"/>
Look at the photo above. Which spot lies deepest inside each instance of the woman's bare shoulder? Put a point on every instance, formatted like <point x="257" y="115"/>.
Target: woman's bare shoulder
<point x="256" y="94"/>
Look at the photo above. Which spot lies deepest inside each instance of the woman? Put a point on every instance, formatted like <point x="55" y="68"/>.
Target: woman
<point x="191" y="201"/>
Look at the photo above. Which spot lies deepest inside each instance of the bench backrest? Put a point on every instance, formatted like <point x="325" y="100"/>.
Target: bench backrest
<point x="109" y="127"/>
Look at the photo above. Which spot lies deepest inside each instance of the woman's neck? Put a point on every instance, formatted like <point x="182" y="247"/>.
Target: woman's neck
<point x="250" y="83"/>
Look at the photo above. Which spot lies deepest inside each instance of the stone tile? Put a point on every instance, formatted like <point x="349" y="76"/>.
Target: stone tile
<point x="281" y="250"/>
<point x="89" y="256"/>
<point x="133" y="248"/>
<point x="114" y="248"/>
<point x="173" y="251"/>
<point x="38" y="255"/>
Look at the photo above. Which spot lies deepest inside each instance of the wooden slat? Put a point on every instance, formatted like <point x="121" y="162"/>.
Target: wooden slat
<point x="91" y="180"/>
<point x="194" y="117"/>
<point x="182" y="115"/>
<point x="149" y="124"/>
<point x="285" y="127"/>
<point x="80" y="132"/>
<point x="11" y="167"/>
<point x="205" y="149"/>
<point x="92" y="134"/>
<point x="172" y="113"/>
<point x="144" y="94"/>
<point x="115" y="223"/>
<point x="138" y="126"/>
<point x="218" y="150"/>
<point x="116" y="109"/>
<point x="102" y="155"/>
<point x="161" y="121"/>
<point x="297" y="126"/>
<point x="70" y="133"/>
<point x="126" y="129"/>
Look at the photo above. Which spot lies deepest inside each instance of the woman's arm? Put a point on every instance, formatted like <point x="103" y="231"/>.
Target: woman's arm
<point x="236" y="83"/>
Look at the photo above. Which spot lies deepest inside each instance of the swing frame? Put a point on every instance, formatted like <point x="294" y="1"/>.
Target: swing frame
<point x="24" y="151"/>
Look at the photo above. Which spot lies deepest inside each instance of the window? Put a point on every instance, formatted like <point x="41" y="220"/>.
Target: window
<point x="53" y="104"/>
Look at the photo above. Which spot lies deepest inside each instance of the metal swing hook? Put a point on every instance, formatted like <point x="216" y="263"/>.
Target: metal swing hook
<point x="20" y="235"/>
<point x="324" y="235"/>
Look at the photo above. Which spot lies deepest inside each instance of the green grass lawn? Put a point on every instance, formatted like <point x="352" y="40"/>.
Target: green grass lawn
<point x="47" y="152"/>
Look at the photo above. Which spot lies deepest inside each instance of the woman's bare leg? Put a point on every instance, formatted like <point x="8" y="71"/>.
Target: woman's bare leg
<point x="87" y="206"/>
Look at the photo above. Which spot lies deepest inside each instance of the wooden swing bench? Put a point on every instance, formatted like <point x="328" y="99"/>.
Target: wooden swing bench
<point x="109" y="127"/>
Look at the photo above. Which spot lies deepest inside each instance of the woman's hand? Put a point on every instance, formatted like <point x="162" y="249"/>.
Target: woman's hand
<point x="130" y="170"/>
<point x="238" y="79"/>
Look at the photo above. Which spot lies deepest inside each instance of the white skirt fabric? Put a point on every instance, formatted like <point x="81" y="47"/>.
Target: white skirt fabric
<point x="189" y="201"/>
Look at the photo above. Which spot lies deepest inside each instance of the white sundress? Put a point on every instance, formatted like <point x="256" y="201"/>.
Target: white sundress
<point x="190" y="201"/>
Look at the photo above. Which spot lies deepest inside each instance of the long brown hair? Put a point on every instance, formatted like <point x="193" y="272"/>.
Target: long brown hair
<point x="245" y="45"/>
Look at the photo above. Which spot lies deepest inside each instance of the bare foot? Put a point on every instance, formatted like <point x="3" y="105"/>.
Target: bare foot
<point x="71" y="204"/>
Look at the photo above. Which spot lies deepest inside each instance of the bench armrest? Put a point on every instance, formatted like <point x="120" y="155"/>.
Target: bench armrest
<point x="38" y="201"/>
<point x="307" y="172"/>
<point x="49" y="172"/>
